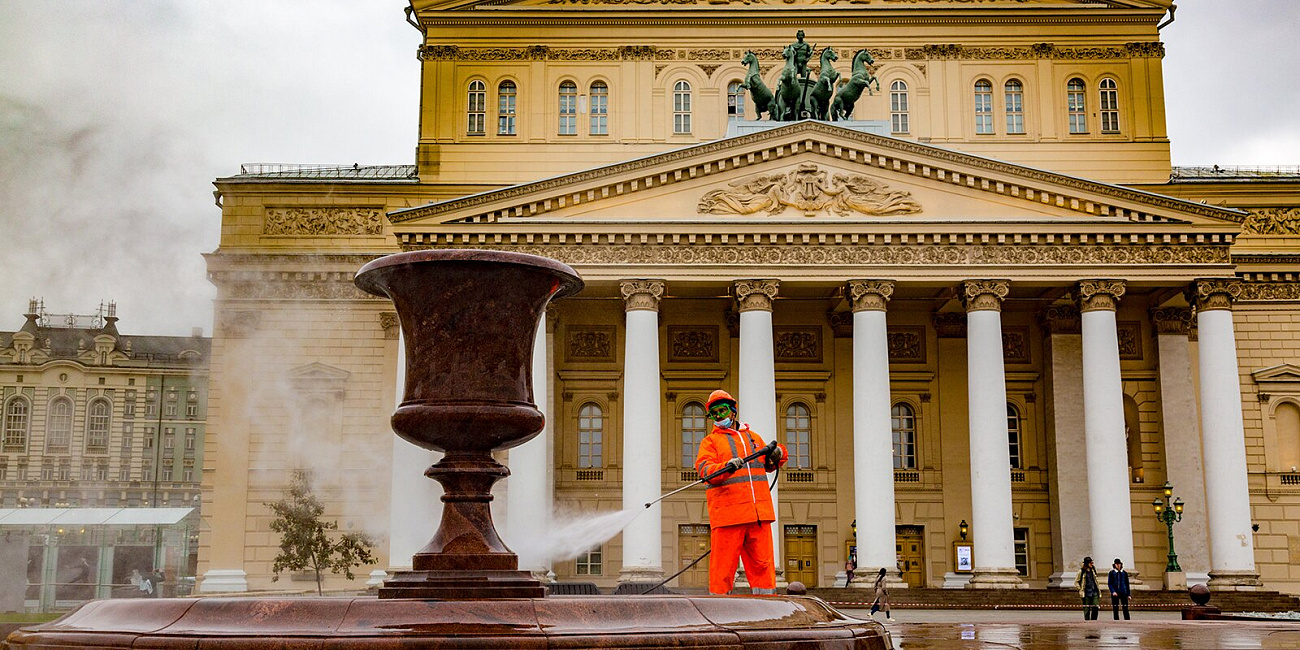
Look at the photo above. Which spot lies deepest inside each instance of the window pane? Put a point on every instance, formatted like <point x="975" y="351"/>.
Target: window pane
<point x="1013" y="435"/>
<point x="735" y="99"/>
<point x="1076" y="105"/>
<point x="59" y="428"/>
<point x="599" y="108"/>
<point x="591" y="424"/>
<point x="682" y="107"/>
<point x="904" y="434"/>
<point x="798" y="433"/>
<point x="983" y="107"/>
<point x="568" y="108"/>
<point x="1109" y="106"/>
<point x="693" y="432"/>
<point x="506" y="95"/>
<point x="1015" y="101"/>
<point x="898" y="112"/>
<point x="477" y="108"/>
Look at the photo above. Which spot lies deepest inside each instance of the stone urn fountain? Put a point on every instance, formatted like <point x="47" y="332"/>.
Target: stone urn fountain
<point x="468" y="318"/>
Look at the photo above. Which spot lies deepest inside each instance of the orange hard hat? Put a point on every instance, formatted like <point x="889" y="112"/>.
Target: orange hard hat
<point x="719" y="396"/>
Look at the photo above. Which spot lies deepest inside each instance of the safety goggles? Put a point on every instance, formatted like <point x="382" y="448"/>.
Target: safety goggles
<point x="720" y="411"/>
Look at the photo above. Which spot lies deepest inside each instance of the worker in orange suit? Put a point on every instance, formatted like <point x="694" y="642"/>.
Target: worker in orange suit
<point x="740" y="505"/>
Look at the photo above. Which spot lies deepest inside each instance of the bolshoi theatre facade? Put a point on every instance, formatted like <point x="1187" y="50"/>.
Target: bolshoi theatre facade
<point x="984" y="312"/>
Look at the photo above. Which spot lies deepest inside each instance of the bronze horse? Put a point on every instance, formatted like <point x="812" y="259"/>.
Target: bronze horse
<point x="860" y="79"/>
<point x="818" y="102"/>
<point x="761" y="94"/>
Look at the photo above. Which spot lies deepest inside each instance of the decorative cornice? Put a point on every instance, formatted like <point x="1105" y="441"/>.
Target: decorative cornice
<point x="641" y="295"/>
<point x="293" y="291"/>
<point x="984" y="295"/>
<point x="987" y="166"/>
<point x="1099" y="295"/>
<point x="1172" y="320"/>
<point x="324" y="221"/>
<point x="857" y="255"/>
<point x="1272" y="291"/>
<point x="756" y="295"/>
<point x="950" y="325"/>
<point x="1062" y="319"/>
<point x="870" y="295"/>
<point x="389" y="323"/>
<point x="1214" y="293"/>
<point x="1272" y="221"/>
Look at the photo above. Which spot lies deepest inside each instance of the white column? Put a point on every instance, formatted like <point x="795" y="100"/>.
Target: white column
<point x="990" y="460"/>
<point x="415" y="501"/>
<point x="528" y="516"/>
<point x="1109" y="507"/>
<point x="1232" y="553"/>
<point x="873" y="442"/>
<point x="642" y="401"/>
<point x="1068" y="471"/>
<point x="1183" y="461"/>
<point x="757" y="381"/>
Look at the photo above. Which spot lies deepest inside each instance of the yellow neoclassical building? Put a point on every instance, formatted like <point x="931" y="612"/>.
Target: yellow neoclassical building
<point x="983" y="311"/>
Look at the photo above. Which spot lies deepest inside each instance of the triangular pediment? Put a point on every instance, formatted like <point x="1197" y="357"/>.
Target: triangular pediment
<point x="1284" y="373"/>
<point x="817" y="173"/>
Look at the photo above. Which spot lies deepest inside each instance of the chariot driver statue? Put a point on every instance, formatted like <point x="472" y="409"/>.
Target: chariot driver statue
<point x="799" y="52"/>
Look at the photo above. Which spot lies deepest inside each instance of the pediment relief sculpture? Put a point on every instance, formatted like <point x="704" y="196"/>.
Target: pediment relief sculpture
<point x="1273" y="221"/>
<point x="810" y="189"/>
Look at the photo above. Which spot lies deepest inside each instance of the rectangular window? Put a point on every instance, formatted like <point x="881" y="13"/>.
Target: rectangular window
<point x="101" y="472"/>
<point x="87" y="472"/>
<point x="47" y="472"/>
<point x="128" y="404"/>
<point x="190" y="439"/>
<point x="65" y="472"/>
<point x="148" y="438"/>
<point x="169" y="440"/>
<point x="590" y="563"/>
<point x="187" y="475"/>
<point x="1021" y="547"/>
<point x="124" y="473"/>
<point x="146" y="472"/>
<point x="192" y="409"/>
<point x="166" y="473"/>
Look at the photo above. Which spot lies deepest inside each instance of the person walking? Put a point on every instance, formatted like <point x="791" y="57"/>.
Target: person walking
<point x="882" y="597"/>
<point x="1120" y="593"/>
<point x="1086" y="583"/>
<point x="739" y="501"/>
<point x="849" y="568"/>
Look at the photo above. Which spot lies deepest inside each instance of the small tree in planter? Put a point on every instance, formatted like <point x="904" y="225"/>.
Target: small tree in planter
<point x="306" y="542"/>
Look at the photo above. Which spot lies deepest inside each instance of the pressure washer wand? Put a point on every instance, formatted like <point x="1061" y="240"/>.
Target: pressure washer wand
<point x="767" y="449"/>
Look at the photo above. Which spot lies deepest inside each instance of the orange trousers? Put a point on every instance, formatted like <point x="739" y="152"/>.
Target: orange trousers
<point x="750" y="542"/>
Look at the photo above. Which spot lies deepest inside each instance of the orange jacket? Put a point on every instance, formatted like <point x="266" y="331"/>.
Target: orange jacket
<point x="741" y="497"/>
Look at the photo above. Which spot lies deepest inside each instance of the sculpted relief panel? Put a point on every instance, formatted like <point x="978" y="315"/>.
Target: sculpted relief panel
<point x="810" y="189"/>
<point x="324" y="221"/>
<point x="1273" y="221"/>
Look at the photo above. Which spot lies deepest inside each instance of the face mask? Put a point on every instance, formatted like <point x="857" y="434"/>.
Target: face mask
<point x="725" y="423"/>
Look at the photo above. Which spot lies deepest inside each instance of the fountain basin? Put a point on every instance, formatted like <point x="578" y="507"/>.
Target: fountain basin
<point x="367" y="622"/>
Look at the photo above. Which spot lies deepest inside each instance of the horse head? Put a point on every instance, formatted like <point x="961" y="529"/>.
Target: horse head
<point x="865" y="56"/>
<point x="829" y="54"/>
<point x="749" y="59"/>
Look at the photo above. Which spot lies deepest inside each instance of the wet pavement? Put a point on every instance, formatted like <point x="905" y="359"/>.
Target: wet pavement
<point x="1051" y="630"/>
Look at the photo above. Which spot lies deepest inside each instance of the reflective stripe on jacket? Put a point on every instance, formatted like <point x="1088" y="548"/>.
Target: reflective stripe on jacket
<point x="741" y="497"/>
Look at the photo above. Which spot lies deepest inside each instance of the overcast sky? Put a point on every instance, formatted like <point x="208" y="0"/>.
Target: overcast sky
<point x="115" y="116"/>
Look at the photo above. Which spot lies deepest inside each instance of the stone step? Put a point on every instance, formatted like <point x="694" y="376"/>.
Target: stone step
<point x="1238" y="601"/>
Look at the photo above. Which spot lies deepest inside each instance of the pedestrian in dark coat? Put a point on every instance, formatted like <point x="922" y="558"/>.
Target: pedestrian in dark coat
<point x="1086" y="583"/>
<point x="1120" y="593"/>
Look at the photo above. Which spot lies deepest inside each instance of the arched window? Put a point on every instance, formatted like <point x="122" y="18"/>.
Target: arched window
<point x="898" y="111"/>
<point x="1286" y="420"/>
<point x="694" y="428"/>
<point x="903" y="421"/>
<point x="568" y="108"/>
<point x="591" y="434"/>
<point x="798" y="436"/>
<point x="1076" y="104"/>
<point x="17" y="419"/>
<point x="1015" y="96"/>
<point x="736" y="99"/>
<point x="1109" y="106"/>
<point x="58" y="426"/>
<point x="506" y="96"/>
<point x="599" y="108"/>
<point x="477" y="108"/>
<point x="98" y="416"/>
<point x="682" y="107"/>
<point x="983" y="107"/>
<point x="1013" y="435"/>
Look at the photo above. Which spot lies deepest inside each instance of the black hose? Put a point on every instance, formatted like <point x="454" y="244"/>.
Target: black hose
<point x="770" y="487"/>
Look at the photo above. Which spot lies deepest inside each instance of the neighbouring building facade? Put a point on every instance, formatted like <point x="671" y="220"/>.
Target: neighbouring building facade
<point x="100" y="455"/>
<point x="986" y="310"/>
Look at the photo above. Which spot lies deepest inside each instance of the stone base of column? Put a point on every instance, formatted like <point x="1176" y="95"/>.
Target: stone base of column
<point x="377" y="578"/>
<point x="996" y="578"/>
<point x="865" y="578"/>
<point x="224" y="581"/>
<point x="1062" y="580"/>
<point x="1134" y="580"/>
<point x="640" y="575"/>
<point x="1197" y="578"/>
<point x="1234" y="581"/>
<point x="954" y="580"/>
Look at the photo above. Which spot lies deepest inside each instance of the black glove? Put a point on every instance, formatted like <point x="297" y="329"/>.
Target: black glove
<point x="773" y="459"/>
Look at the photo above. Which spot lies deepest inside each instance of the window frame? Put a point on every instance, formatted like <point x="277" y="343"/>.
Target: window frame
<point x="1021" y="548"/>
<point x="584" y="563"/>
<point x="735" y="99"/>
<point x="900" y="120"/>
<point x="63" y="442"/>
<point x="476" y="98"/>
<point x="901" y="459"/>
<point x="691" y="446"/>
<point x="568" y="108"/>
<point x="983" y="95"/>
<point x="98" y="434"/>
<point x="507" y="110"/>
<point x="1014" y="106"/>
<point x="11" y="432"/>
<point x="598" y="113"/>
<point x="682" y="107"/>
<point x="1015" y="437"/>
<point x="591" y="453"/>
<point x="1109" y="117"/>
<point x="798" y="453"/>
<point x="1076" y="106"/>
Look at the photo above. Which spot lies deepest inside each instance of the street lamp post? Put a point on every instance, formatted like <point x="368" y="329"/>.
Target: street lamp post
<point x="1169" y="513"/>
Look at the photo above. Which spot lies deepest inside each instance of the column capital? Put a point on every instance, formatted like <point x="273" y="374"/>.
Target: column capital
<point x="641" y="295"/>
<point x="1172" y="320"/>
<point x="756" y="295"/>
<point x="1213" y="293"/>
<point x="1098" y="295"/>
<point x="1062" y="319"/>
<point x="870" y="295"/>
<point x="984" y="295"/>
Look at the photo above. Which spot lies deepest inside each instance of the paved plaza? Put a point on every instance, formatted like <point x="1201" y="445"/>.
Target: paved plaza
<point x="920" y="629"/>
